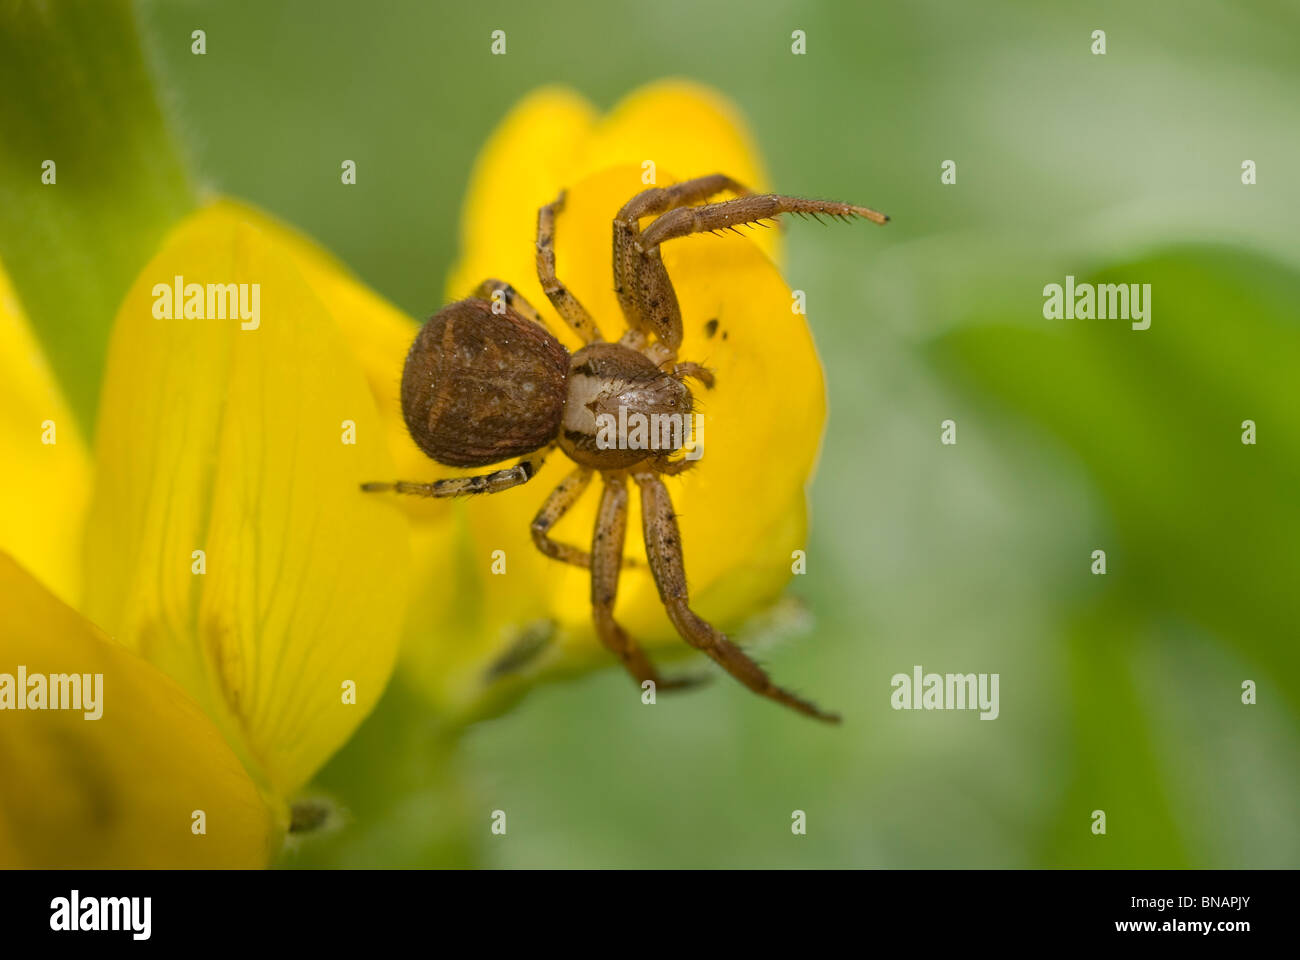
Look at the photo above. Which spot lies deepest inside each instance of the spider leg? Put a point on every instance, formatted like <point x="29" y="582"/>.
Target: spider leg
<point x="662" y="199"/>
<point x="696" y="371"/>
<point x="565" y="303"/>
<point x="606" y="556"/>
<point x="640" y="280"/>
<point x="663" y="544"/>
<point x="494" y="482"/>
<point x="490" y="288"/>
<point x="745" y="210"/>
<point x="557" y="504"/>
<point x="656" y="308"/>
<point x="674" y="468"/>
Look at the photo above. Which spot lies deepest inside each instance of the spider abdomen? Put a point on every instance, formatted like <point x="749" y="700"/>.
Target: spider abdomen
<point x="480" y="387"/>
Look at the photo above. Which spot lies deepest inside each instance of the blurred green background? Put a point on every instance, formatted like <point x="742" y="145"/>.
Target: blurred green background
<point x="1121" y="692"/>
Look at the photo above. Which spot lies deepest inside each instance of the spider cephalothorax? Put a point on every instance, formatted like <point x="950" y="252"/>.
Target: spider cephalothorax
<point x="485" y="381"/>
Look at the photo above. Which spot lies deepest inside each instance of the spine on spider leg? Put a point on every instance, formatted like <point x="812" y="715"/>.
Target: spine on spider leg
<point x="780" y="204"/>
<point x="749" y="211"/>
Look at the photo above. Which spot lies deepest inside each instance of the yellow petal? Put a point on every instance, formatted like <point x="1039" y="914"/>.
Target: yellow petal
<point x="45" y="481"/>
<point x="379" y="335"/>
<point x="553" y="138"/>
<point x="467" y="618"/>
<point x="532" y="154"/>
<point x="762" y="422"/>
<point x="687" y="130"/>
<point x="231" y="441"/>
<point x="376" y="332"/>
<point x="742" y="509"/>
<point x="120" y="790"/>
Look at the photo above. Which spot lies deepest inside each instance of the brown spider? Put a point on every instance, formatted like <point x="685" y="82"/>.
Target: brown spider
<point x="485" y="381"/>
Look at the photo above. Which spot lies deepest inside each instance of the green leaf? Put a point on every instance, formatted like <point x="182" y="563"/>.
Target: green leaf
<point x="1207" y="525"/>
<point x="77" y="92"/>
<point x="1117" y="765"/>
<point x="1201" y="534"/>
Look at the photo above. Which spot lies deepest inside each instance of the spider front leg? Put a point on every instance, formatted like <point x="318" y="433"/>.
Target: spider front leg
<point x="494" y="482"/>
<point x="658" y="200"/>
<point x="606" y="564"/>
<point x="644" y="292"/>
<point x="663" y="543"/>
<point x="565" y="303"/>
<point x="729" y="214"/>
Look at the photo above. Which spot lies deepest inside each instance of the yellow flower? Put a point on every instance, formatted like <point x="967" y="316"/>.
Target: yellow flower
<point x="227" y="543"/>
<point x="231" y="441"/>
<point x="122" y="790"/>
<point x="743" y="510"/>
<point x="45" y="483"/>
<point x="254" y="595"/>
